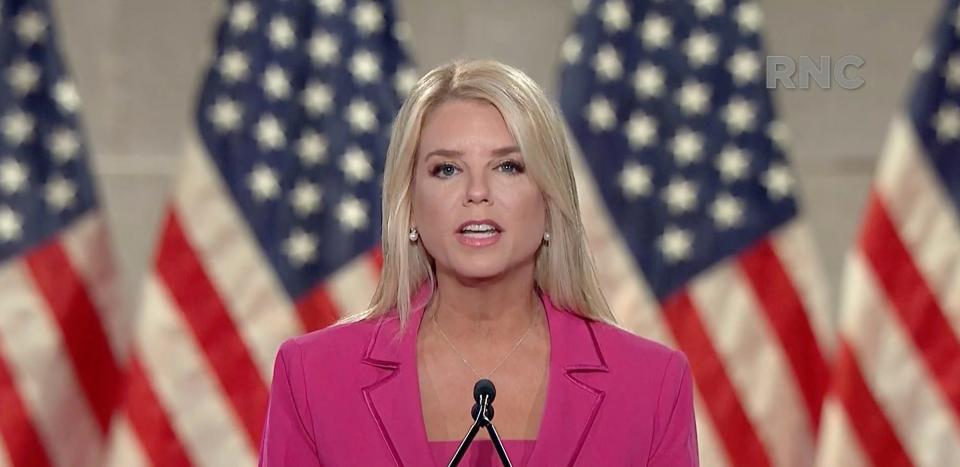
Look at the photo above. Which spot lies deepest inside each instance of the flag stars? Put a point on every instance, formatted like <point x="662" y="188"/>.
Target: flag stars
<point x="281" y="33"/>
<point x="352" y="213"/>
<point x="571" y="49"/>
<point x="270" y="133"/>
<point x="732" y="163"/>
<point x="580" y="6"/>
<point x="234" y="66"/>
<point x="23" y="76"/>
<point x="300" y="247"/>
<point x="952" y="71"/>
<point x="323" y="48"/>
<point x="648" y="80"/>
<point x="744" y="65"/>
<point x="635" y="180"/>
<point x="368" y="17"/>
<point x="365" y="67"/>
<point x="361" y="116"/>
<point x="607" y="63"/>
<point x="17" y="127"/>
<point x="30" y="27"/>
<point x="13" y="176"/>
<point x="356" y="165"/>
<point x="306" y="198"/>
<point x="243" y="16"/>
<point x="778" y="181"/>
<point x="707" y="8"/>
<point x="701" y="49"/>
<point x="66" y="95"/>
<point x="615" y="16"/>
<point x="641" y="130"/>
<point x="947" y="122"/>
<point x="675" y="244"/>
<point x="405" y="80"/>
<point x="656" y="32"/>
<point x="687" y="147"/>
<point x="317" y="98"/>
<point x="680" y="195"/>
<point x="226" y="115"/>
<point x="740" y="115"/>
<point x="329" y="7"/>
<point x="275" y="83"/>
<point x="11" y="225"/>
<point x="60" y="193"/>
<point x="727" y="211"/>
<point x="312" y="148"/>
<point x="64" y="144"/>
<point x="263" y="184"/>
<point x="922" y="58"/>
<point x="600" y="114"/>
<point x="749" y="17"/>
<point x="694" y="98"/>
<point x="779" y="134"/>
<point x="403" y="32"/>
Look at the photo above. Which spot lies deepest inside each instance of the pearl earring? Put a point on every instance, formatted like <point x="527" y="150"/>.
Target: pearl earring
<point x="546" y="237"/>
<point x="414" y="235"/>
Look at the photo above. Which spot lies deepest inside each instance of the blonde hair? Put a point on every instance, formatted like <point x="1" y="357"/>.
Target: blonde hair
<point x="564" y="268"/>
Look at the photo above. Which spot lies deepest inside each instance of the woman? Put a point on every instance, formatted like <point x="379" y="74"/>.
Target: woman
<point x="486" y="275"/>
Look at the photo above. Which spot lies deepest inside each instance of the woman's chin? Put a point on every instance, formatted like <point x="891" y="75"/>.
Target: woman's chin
<point x="479" y="275"/>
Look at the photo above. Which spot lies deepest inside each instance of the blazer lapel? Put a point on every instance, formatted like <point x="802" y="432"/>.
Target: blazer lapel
<point x="394" y="399"/>
<point x="572" y="405"/>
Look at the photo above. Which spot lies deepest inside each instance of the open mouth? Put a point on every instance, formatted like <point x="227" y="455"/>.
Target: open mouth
<point x="479" y="231"/>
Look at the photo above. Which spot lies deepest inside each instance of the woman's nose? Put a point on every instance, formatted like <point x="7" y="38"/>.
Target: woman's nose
<point x="477" y="189"/>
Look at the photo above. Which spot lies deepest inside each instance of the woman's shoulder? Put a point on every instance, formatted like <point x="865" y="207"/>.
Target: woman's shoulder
<point x="339" y="339"/>
<point x="623" y="348"/>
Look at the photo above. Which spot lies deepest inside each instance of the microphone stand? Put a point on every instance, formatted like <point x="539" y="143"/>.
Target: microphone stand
<point x="482" y="414"/>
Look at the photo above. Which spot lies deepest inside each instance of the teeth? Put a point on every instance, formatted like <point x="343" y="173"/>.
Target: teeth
<point x="478" y="228"/>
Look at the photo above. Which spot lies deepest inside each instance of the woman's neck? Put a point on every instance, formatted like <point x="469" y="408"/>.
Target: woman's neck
<point x="485" y="310"/>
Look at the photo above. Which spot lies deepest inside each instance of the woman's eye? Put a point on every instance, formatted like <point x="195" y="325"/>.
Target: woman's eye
<point x="444" y="170"/>
<point x="510" y="167"/>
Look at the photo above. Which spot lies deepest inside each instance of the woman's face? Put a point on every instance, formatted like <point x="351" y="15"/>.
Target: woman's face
<point x="478" y="212"/>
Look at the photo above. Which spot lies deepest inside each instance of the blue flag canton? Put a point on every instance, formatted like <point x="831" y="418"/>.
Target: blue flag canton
<point x="45" y="183"/>
<point x="296" y="113"/>
<point x="935" y="104"/>
<point x="667" y="100"/>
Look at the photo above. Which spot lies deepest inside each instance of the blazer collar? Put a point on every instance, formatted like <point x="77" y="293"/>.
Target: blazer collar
<point x="570" y="409"/>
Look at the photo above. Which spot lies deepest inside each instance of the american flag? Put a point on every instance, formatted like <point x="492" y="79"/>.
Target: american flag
<point x="61" y="338"/>
<point x="694" y="218"/>
<point x="895" y="396"/>
<point x="274" y="224"/>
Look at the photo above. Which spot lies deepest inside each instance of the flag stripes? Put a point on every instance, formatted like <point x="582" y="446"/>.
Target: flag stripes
<point x="212" y="326"/>
<point x="23" y="444"/>
<point x="781" y="305"/>
<point x="84" y="338"/>
<point x="912" y="301"/>
<point x="741" y="442"/>
<point x="147" y="418"/>
<point x="729" y="308"/>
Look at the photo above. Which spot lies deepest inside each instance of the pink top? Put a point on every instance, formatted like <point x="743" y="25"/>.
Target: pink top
<point x="481" y="452"/>
<point x="348" y="395"/>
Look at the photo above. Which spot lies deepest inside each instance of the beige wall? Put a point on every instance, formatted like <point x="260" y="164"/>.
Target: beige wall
<point x="137" y="64"/>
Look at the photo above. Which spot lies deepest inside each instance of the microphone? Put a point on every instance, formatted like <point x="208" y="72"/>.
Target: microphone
<point x="484" y="392"/>
<point x="483" y="389"/>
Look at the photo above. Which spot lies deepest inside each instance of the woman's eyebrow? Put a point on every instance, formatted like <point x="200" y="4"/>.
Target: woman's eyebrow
<point x="506" y="150"/>
<point x="454" y="153"/>
<point x="444" y="153"/>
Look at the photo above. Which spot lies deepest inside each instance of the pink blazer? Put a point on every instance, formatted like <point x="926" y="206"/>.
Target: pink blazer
<point x="349" y="395"/>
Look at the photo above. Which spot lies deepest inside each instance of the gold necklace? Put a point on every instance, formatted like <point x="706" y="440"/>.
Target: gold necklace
<point x="464" y="359"/>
